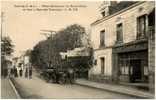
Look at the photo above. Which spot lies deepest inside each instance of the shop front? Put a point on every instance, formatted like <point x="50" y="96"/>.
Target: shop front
<point x="133" y="66"/>
<point x="131" y="62"/>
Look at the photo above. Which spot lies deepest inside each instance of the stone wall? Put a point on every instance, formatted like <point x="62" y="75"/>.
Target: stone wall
<point x="107" y="55"/>
<point x="129" y="20"/>
<point x="151" y="62"/>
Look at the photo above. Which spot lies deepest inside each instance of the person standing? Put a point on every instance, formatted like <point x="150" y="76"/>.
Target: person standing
<point x="20" y="69"/>
<point x="9" y="67"/>
<point x="70" y="75"/>
<point x="15" y="71"/>
<point x="30" y="71"/>
<point x="26" y="72"/>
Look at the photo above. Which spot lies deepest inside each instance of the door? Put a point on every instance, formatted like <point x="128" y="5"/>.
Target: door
<point x="136" y="72"/>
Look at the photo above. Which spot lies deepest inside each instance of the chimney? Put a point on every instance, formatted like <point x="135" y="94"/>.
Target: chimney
<point x="105" y="7"/>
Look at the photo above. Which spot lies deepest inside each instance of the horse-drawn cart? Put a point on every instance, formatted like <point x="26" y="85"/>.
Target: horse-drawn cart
<point x="58" y="76"/>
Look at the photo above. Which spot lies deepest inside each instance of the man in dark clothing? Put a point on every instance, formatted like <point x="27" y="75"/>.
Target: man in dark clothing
<point x="15" y="72"/>
<point x="56" y="76"/>
<point x="21" y="72"/>
<point x="26" y="72"/>
<point x="30" y="72"/>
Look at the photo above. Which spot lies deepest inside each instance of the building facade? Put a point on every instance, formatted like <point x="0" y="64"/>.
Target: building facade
<point x="120" y="39"/>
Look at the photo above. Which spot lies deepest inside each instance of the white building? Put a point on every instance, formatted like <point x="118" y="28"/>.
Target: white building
<point x="120" y="42"/>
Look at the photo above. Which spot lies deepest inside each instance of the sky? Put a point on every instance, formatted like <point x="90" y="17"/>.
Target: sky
<point x="24" y="27"/>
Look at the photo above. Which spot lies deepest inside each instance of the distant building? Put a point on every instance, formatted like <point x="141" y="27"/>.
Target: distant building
<point x="83" y="51"/>
<point x="8" y="65"/>
<point x="15" y="61"/>
<point x="23" y="63"/>
<point x="27" y="64"/>
<point x="123" y="43"/>
<point x="8" y="61"/>
<point x="25" y="58"/>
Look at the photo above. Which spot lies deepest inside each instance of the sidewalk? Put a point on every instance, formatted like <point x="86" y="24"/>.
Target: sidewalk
<point x="7" y="89"/>
<point x="115" y="88"/>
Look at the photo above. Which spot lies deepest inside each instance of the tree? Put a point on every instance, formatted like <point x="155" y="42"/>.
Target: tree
<point x="48" y="52"/>
<point x="39" y="55"/>
<point x="6" y="50"/>
<point x="6" y="46"/>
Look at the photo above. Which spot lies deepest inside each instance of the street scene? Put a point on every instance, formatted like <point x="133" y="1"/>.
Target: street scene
<point x="78" y="50"/>
<point x="42" y="90"/>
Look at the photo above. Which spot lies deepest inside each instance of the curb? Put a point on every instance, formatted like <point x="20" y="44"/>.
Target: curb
<point x="15" y="90"/>
<point x="138" y="96"/>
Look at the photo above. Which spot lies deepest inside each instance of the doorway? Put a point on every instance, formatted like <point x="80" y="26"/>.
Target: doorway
<point x="102" y="65"/>
<point x="135" y="70"/>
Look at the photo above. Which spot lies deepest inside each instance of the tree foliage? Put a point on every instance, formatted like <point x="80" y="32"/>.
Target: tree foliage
<point x="6" y="50"/>
<point x="6" y="46"/>
<point x="47" y="53"/>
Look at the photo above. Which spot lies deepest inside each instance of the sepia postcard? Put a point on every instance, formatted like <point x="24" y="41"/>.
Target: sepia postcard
<point x="77" y="49"/>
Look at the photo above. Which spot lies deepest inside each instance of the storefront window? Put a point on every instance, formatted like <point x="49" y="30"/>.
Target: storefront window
<point x="124" y="68"/>
<point x="145" y="70"/>
<point x="131" y="70"/>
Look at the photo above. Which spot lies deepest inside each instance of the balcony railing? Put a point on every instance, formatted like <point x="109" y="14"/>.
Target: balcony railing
<point x="149" y="34"/>
<point x="118" y="42"/>
<point x="141" y="35"/>
<point x="102" y="45"/>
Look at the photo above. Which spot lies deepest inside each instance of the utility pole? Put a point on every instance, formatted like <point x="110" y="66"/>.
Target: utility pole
<point x="1" y="29"/>
<point x="2" y="15"/>
<point x="2" y="53"/>
<point x="1" y="41"/>
<point x="49" y="34"/>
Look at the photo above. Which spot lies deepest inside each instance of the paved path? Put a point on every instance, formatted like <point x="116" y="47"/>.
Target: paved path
<point x="116" y="88"/>
<point x="7" y="91"/>
<point x="37" y="88"/>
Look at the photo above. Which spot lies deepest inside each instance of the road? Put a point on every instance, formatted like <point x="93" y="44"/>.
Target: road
<point x="37" y="88"/>
<point x="7" y="91"/>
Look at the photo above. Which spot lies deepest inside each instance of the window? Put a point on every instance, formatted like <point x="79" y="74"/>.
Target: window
<point x="141" y="26"/>
<point x="151" y="18"/>
<point x="102" y="65"/>
<point x="102" y="38"/>
<point x="95" y="62"/>
<point x="119" y="32"/>
<point x="146" y="70"/>
<point x="124" y="66"/>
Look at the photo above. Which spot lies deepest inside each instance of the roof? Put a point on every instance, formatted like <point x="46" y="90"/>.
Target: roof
<point x="82" y="51"/>
<point x="121" y="5"/>
<point x="77" y="52"/>
<point x="119" y="8"/>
